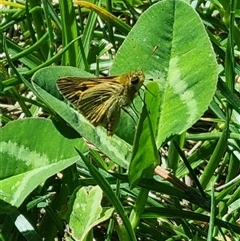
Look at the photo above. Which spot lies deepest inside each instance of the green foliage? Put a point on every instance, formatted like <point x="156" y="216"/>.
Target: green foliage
<point x="31" y="160"/>
<point x="87" y="212"/>
<point x="62" y="177"/>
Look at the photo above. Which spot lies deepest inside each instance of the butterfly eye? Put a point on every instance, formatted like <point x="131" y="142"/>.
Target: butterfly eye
<point x="135" y="80"/>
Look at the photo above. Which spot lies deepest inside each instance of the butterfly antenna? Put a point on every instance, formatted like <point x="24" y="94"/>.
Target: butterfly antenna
<point x="153" y="51"/>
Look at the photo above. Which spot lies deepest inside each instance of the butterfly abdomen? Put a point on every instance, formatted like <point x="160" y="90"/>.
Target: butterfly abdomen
<point x="110" y="129"/>
<point x="112" y="123"/>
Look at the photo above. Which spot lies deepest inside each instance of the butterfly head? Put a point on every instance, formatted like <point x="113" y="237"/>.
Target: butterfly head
<point x="136" y="79"/>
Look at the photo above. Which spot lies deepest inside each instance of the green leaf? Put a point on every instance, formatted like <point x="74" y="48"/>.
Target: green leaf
<point x="31" y="150"/>
<point x="87" y="212"/>
<point x="110" y="18"/>
<point x="145" y="154"/>
<point x="183" y="65"/>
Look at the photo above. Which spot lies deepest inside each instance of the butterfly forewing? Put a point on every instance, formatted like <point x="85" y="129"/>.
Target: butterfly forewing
<point x="73" y="87"/>
<point x="70" y="89"/>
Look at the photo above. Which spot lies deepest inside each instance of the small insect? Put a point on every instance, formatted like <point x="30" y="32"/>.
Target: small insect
<point x="100" y="100"/>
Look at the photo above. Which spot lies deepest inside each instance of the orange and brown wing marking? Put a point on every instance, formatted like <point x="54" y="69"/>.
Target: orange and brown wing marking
<point x="69" y="89"/>
<point x="72" y="87"/>
<point x="95" y="102"/>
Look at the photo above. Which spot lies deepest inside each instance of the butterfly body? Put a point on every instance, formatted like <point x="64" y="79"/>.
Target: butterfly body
<point x="100" y="99"/>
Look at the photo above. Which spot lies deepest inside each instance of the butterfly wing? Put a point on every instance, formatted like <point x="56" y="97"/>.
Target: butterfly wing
<point x="100" y="104"/>
<point x="97" y="100"/>
<point x="73" y="87"/>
